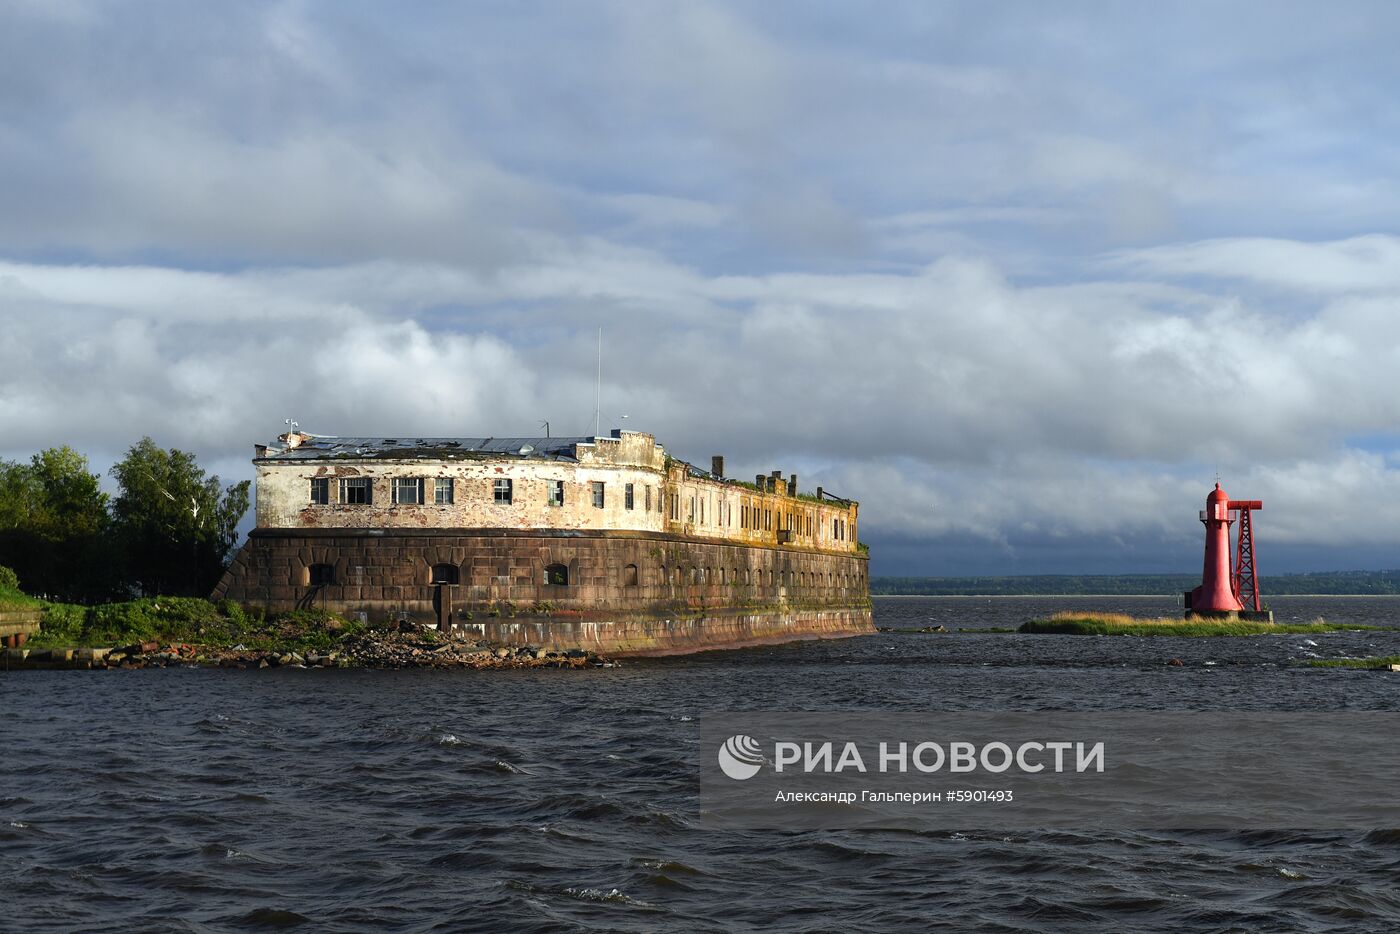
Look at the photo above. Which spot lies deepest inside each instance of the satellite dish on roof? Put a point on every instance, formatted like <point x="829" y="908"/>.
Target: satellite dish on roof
<point x="526" y="449"/>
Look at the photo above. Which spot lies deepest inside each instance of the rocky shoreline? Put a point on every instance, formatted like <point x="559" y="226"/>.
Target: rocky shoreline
<point x="375" y="649"/>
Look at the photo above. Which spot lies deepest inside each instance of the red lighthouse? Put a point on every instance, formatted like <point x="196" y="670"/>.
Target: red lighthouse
<point x="1225" y="587"/>
<point x="1216" y="595"/>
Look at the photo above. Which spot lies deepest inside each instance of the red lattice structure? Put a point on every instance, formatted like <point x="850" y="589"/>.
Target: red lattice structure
<point x="1244" y="578"/>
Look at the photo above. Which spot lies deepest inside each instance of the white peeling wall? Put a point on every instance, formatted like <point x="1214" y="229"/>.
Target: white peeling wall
<point x="284" y="496"/>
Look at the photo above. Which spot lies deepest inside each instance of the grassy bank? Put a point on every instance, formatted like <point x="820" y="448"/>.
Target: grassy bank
<point x="1117" y="624"/>
<point x="1373" y="662"/>
<point x="14" y="600"/>
<point x="11" y="597"/>
<point x="187" y="620"/>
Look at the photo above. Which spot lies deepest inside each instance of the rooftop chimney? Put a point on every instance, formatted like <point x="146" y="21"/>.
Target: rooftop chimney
<point x="717" y="466"/>
<point x="792" y="485"/>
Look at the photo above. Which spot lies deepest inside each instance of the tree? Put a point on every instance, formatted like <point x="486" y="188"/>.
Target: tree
<point x="177" y="527"/>
<point x="54" y="524"/>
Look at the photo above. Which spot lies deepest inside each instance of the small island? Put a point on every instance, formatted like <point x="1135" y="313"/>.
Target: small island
<point x="1075" y="623"/>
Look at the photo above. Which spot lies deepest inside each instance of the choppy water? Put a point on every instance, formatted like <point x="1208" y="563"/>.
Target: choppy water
<point x="197" y="800"/>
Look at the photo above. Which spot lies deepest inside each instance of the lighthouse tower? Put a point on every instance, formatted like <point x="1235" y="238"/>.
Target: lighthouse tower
<point x="1217" y="592"/>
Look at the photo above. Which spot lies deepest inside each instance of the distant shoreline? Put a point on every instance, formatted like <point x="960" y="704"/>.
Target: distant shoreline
<point x="1309" y="584"/>
<point x="1102" y="596"/>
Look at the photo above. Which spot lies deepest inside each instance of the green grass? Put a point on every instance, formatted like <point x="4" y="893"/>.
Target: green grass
<point x="1114" y="624"/>
<point x="14" y="600"/>
<point x="188" y="620"/>
<point x="11" y="597"/>
<point x="1375" y="661"/>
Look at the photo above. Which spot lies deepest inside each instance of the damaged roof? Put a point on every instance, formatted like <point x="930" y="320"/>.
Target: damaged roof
<point x="326" y="448"/>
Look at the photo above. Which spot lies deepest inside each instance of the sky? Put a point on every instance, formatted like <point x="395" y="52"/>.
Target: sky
<point x="1022" y="278"/>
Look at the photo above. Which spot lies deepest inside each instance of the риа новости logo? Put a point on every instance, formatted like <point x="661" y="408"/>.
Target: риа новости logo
<point x="740" y="757"/>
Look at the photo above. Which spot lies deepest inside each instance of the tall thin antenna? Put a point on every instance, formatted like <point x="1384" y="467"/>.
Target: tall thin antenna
<point x="598" y="388"/>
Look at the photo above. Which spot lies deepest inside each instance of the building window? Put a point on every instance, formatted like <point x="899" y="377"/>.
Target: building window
<point x="690" y="510"/>
<point x="408" y="491"/>
<point x="629" y="575"/>
<point x="321" y="574"/>
<point x="502" y="491"/>
<point x="356" y="491"/>
<point x="557" y="574"/>
<point x="628" y="501"/>
<point x="443" y="491"/>
<point x="556" y="492"/>
<point x="445" y="574"/>
<point x="597" y="494"/>
<point x="648" y="499"/>
<point x="320" y="490"/>
<point x="702" y="510"/>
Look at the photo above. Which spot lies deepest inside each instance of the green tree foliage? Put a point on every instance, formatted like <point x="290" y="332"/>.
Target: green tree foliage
<point x="176" y="525"/>
<point x="54" y="526"/>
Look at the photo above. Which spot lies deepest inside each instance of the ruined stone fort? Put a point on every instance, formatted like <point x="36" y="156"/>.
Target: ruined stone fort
<point x="604" y="543"/>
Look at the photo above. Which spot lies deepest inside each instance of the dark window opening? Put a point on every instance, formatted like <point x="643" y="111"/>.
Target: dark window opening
<point x="556" y="492"/>
<point x="320" y="574"/>
<point x="320" y="490"/>
<point x="597" y="494"/>
<point x="356" y="491"/>
<point x="557" y="574"/>
<point x="503" y="491"/>
<point x="445" y="574"/>
<point x="628" y="501"/>
<point x="629" y="575"/>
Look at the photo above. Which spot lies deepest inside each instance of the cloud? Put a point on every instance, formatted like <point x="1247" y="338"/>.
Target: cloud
<point x="1019" y="284"/>
<point x="1357" y="264"/>
<point x="950" y="401"/>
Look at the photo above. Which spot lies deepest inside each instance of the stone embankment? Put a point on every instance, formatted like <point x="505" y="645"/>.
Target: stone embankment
<point x="367" y="650"/>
